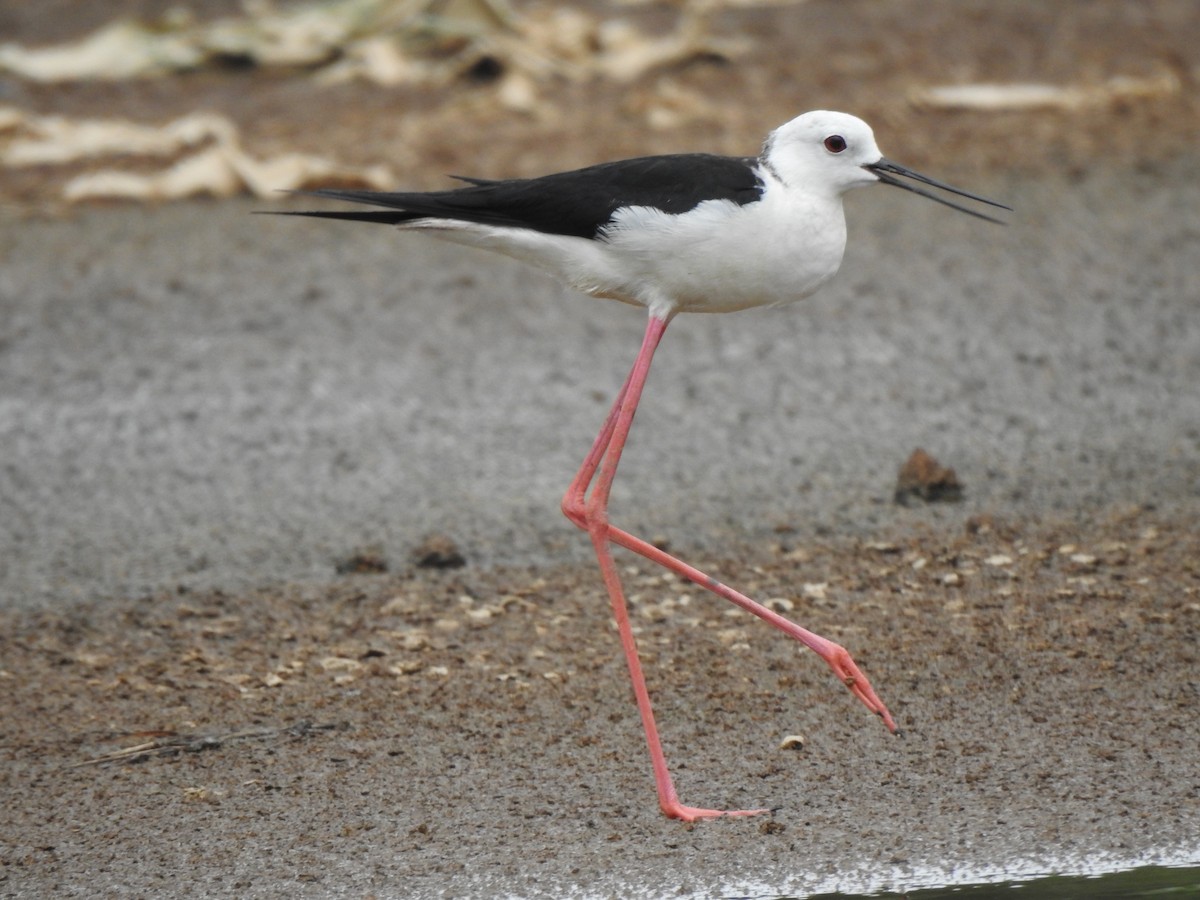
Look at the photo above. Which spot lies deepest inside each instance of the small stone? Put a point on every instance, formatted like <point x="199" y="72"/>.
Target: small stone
<point x="815" y="590"/>
<point x="340" y="663"/>
<point x="792" y="742"/>
<point x="438" y="551"/>
<point x="362" y="562"/>
<point x="923" y="478"/>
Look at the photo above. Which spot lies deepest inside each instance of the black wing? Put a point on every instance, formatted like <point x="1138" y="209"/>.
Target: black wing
<point x="577" y="203"/>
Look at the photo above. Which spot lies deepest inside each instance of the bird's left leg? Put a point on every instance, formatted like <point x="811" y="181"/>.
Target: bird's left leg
<point x="574" y="501"/>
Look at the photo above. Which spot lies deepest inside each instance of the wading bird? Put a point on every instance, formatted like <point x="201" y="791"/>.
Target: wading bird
<point x="681" y="233"/>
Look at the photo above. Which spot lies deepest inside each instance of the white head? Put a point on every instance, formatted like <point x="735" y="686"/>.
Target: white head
<point x="822" y="150"/>
<point x="829" y="153"/>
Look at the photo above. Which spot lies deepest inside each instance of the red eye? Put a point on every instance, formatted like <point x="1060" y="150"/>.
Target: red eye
<point x="835" y="143"/>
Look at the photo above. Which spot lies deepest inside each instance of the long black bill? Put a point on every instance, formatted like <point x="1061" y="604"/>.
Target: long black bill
<point x="885" y="169"/>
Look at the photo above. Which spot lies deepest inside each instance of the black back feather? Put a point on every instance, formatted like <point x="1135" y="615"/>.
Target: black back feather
<point x="578" y="203"/>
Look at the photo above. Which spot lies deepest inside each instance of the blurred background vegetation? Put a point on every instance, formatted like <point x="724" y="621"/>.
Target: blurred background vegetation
<point x="151" y="99"/>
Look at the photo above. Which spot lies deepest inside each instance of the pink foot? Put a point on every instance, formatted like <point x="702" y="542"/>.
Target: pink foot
<point x="845" y="668"/>
<point x="676" y="810"/>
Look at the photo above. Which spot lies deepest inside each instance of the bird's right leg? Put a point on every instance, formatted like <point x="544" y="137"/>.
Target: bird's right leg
<point x="591" y="513"/>
<point x="835" y="655"/>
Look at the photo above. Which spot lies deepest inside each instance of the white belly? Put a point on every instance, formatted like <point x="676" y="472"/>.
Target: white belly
<point x="722" y="257"/>
<point x="718" y="257"/>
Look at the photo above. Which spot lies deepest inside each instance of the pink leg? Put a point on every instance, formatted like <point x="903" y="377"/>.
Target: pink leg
<point x="575" y="499"/>
<point x="835" y="655"/>
<point x="591" y="513"/>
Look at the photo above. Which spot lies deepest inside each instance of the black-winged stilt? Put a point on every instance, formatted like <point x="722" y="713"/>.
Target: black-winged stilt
<point x="684" y="233"/>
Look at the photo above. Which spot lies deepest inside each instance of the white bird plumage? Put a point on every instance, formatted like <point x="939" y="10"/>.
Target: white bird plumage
<point x="719" y="256"/>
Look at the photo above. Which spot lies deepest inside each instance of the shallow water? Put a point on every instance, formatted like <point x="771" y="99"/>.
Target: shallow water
<point x="1148" y="881"/>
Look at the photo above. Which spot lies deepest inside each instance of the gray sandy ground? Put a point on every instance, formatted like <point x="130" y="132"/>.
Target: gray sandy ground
<point x="197" y="396"/>
<point x="203" y="411"/>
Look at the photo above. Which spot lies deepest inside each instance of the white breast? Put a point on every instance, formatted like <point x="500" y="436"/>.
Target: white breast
<point x="717" y="257"/>
<point x="721" y="257"/>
